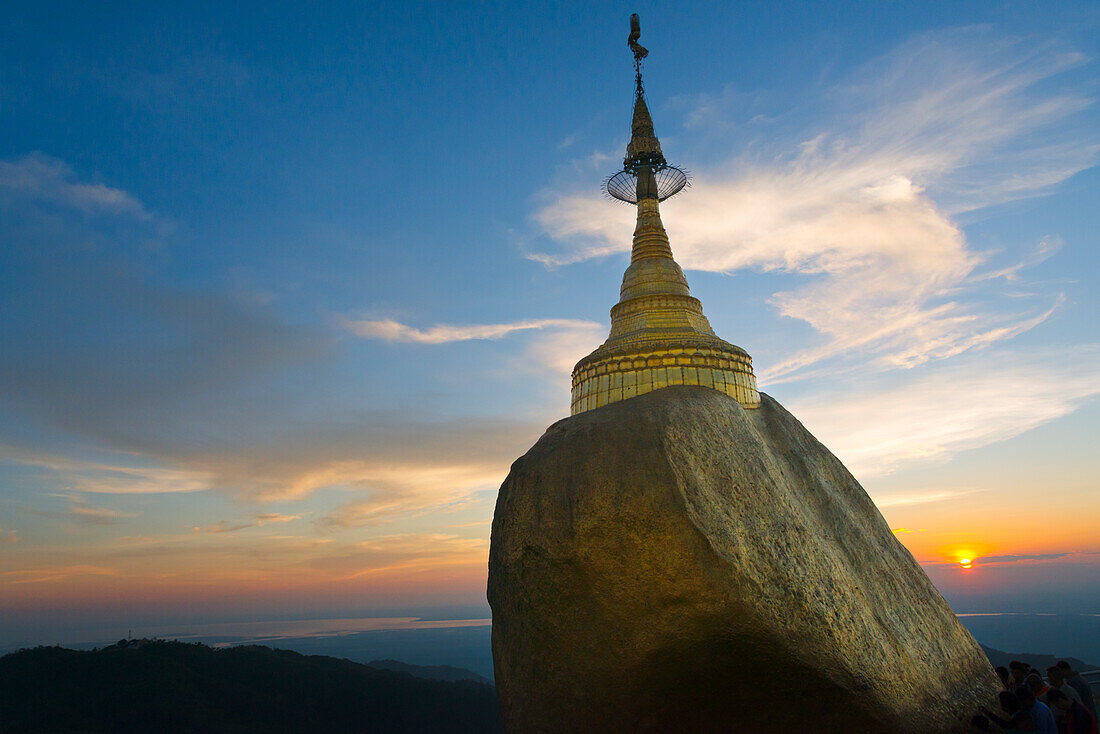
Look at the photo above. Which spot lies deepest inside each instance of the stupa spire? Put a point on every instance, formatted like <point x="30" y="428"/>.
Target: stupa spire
<point x="644" y="148"/>
<point x="659" y="335"/>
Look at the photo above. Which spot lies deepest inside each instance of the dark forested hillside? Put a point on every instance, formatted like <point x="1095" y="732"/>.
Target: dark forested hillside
<point x="156" y="686"/>
<point x="432" y="672"/>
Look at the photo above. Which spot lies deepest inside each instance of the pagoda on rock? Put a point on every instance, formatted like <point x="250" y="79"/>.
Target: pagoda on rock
<point x="659" y="335"/>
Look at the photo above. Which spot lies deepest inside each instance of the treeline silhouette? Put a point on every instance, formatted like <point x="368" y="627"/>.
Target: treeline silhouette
<point x="160" y="686"/>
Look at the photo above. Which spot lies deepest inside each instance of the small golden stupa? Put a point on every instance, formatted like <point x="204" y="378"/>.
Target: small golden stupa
<point x="659" y="335"/>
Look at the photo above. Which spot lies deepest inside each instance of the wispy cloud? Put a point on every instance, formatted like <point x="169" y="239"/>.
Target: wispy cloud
<point x="557" y="351"/>
<point x="552" y="349"/>
<point x="920" y="498"/>
<point x="405" y="553"/>
<point x="408" y="490"/>
<point x="395" y="331"/>
<point x="49" y="179"/>
<point x="80" y="511"/>
<point x="390" y="465"/>
<point x="49" y="574"/>
<point x="863" y="207"/>
<point x="167" y="562"/>
<point x="98" y="515"/>
<point x="394" y="463"/>
<point x="225" y="526"/>
<point x="109" y="478"/>
<point x="1020" y="558"/>
<point x="948" y="408"/>
<point x="266" y="518"/>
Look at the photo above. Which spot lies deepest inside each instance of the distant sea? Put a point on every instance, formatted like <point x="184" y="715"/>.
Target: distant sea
<point x="1060" y="635"/>
<point x="465" y="643"/>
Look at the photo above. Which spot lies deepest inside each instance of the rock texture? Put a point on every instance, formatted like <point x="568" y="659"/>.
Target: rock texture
<point x="675" y="562"/>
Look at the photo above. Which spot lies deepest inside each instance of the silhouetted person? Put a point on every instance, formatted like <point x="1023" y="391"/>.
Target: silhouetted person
<point x="1078" y="718"/>
<point x="1036" y="687"/>
<point x="1017" y="671"/>
<point x="1079" y="684"/>
<point x="1057" y="678"/>
<point x="1042" y="720"/>
<point x="1018" y="719"/>
<point x="1002" y="673"/>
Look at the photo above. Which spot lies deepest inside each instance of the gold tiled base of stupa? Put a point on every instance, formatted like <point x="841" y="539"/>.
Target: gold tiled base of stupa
<point x="659" y="335"/>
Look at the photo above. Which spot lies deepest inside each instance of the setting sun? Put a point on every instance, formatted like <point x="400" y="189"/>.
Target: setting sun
<point x="965" y="563"/>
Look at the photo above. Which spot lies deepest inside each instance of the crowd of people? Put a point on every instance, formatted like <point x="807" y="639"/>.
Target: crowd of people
<point x="1062" y="703"/>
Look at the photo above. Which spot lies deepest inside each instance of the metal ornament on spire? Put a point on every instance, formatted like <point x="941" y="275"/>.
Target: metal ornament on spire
<point x="646" y="174"/>
<point x="639" y="50"/>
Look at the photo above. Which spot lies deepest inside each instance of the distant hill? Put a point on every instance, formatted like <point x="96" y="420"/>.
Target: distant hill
<point x="158" y="686"/>
<point x="1042" y="662"/>
<point x="431" y="672"/>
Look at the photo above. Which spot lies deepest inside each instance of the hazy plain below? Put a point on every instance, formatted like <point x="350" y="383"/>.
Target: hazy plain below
<point x="465" y="643"/>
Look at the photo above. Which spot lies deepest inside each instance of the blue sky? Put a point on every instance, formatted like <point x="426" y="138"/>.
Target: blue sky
<point x="286" y="290"/>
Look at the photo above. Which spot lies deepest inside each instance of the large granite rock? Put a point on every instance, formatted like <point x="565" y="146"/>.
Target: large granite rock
<point x="675" y="562"/>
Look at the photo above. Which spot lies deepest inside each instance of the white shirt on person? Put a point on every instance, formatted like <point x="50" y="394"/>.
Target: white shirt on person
<point x="1071" y="693"/>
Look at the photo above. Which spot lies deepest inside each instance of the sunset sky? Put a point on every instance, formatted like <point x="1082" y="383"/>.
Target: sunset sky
<point x="285" y="289"/>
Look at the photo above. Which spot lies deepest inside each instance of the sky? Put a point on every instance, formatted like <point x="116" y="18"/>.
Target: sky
<point x="286" y="289"/>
